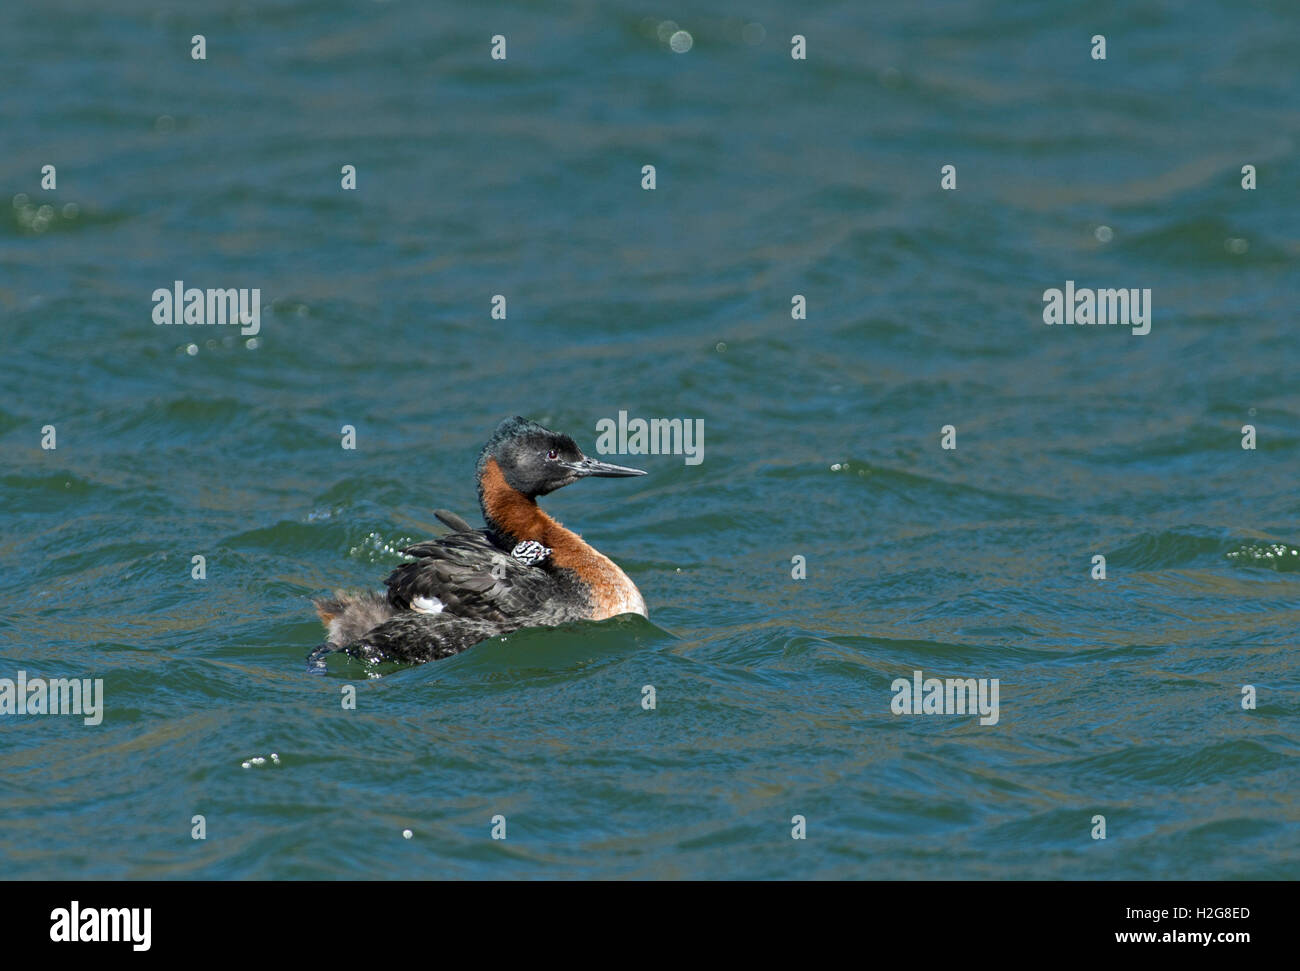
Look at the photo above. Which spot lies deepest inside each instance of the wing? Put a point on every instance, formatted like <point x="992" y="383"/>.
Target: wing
<point x="465" y="574"/>
<point x="449" y="518"/>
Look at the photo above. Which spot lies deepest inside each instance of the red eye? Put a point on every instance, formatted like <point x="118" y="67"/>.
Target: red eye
<point x="552" y="455"/>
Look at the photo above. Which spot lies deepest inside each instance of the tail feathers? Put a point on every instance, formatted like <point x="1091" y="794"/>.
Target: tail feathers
<point x="347" y="616"/>
<point x="327" y="609"/>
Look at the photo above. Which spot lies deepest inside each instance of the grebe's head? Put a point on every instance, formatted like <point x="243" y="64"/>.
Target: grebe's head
<point x="534" y="460"/>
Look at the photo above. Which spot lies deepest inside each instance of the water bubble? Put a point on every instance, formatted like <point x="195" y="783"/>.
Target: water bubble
<point x="1235" y="245"/>
<point x="665" y="30"/>
<point x="251" y="343"/>
<point x="681" y="42"/>
<point x="71" y="210"/>
<point x="164" y="123"/>
<point x="720" y="347"/>
<point x="192" y="349"/>
<point x="407" y="834"/>
<point x="1104" y="234"/>
<point x="20" y="200"/>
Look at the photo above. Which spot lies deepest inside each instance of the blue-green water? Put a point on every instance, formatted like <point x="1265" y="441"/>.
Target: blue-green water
<point x="775" y="177"/>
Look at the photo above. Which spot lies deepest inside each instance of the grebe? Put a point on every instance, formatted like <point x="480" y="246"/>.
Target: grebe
<point x="524" y="570"/>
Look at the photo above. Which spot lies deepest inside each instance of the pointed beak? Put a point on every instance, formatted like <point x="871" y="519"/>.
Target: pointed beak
<point x="589" y="466"/>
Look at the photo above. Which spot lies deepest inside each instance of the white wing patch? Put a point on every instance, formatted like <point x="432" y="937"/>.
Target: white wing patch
<point x="427" y="605"/>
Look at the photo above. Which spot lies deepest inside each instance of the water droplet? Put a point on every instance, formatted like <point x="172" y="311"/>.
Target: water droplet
<point x="681" y="42"/>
